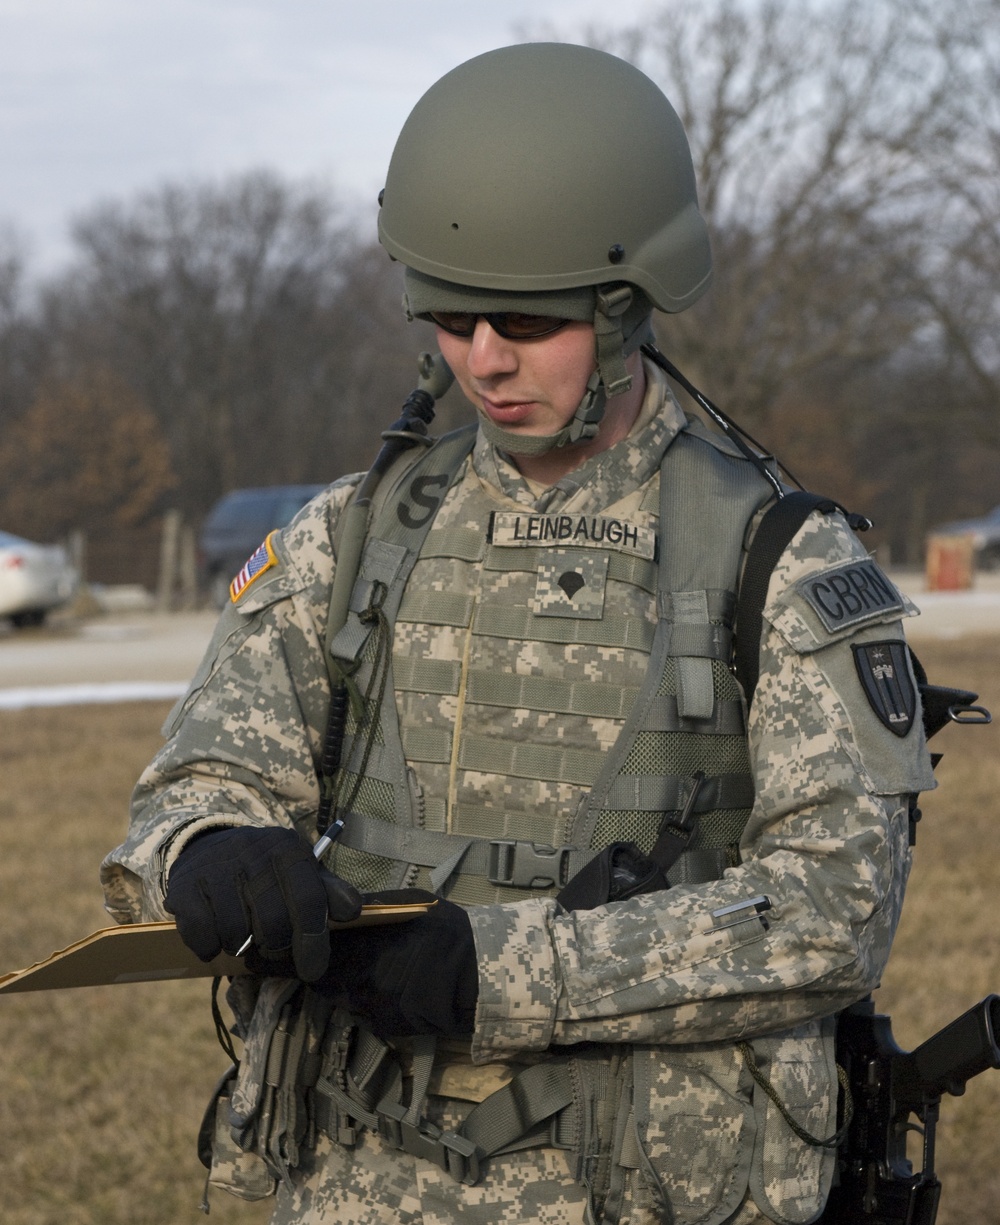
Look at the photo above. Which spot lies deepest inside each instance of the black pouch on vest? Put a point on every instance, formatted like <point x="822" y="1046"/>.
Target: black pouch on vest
<point x="621" y="870"/>
<point x="618" y="872"/>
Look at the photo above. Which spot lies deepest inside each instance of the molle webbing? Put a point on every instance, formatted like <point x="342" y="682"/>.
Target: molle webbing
<point x="374" y="773"/>
<point x="687" y="715"/>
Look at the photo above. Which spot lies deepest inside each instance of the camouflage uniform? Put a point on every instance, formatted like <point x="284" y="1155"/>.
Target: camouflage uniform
<point x="666" y="991"/>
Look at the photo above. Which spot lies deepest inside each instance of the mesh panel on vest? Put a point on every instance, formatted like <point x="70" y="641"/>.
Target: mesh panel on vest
<point x="660" y="753"/>
<point x="368" y="872"/>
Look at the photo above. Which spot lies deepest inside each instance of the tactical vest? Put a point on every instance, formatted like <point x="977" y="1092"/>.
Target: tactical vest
<point x="670" y="610"/>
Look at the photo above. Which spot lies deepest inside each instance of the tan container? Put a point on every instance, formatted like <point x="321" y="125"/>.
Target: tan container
<point x="950" y="563"/>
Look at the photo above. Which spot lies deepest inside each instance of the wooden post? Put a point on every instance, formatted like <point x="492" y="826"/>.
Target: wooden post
<point x="169" y="541"/>
<point x="188" y="568"/>
<point x="77" y="549"/>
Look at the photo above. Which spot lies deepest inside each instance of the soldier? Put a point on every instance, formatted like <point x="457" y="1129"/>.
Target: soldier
<point x="651" y="906"/>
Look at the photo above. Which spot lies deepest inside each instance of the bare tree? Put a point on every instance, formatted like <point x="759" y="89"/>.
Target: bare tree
<point x="22" y="345"/>
<point x="94" y="449"/>
<point x="253" y="321"/>
<point x="847" y="156"/>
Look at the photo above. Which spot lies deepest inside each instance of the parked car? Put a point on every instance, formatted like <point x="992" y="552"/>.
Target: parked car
<point x="985" y="533"/>
<point x="237" y="524"/>
<point x="34" y="578"/>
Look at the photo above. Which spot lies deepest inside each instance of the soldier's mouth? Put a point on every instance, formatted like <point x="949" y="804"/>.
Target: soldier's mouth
<point x="507" y="412"/>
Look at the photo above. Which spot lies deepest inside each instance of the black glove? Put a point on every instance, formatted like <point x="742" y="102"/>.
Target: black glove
<point x="416" y="977"/>
<point x="229" y="884"/>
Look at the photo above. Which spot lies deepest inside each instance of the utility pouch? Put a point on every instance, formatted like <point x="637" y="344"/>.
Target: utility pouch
<point x="604" y="1143"/>
<point x="269" y="1103"/>
<point x="244" y="1175"/>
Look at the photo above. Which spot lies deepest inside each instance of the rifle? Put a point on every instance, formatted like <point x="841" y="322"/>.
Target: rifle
<point x="875" y="1183"/>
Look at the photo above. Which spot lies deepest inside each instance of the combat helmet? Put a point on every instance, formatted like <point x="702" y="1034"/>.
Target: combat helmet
<point x="553" y="179"/>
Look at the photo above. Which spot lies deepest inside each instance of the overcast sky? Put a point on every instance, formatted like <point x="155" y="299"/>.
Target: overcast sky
<point x="101" y="99"/>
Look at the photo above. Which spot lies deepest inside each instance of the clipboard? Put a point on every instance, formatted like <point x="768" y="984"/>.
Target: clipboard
<point x="149" y="952"/>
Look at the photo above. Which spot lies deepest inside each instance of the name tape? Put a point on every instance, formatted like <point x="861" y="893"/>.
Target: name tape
<point x="511" y="528"/>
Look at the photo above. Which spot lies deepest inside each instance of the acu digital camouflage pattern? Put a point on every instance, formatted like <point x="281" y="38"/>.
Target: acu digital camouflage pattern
<point x="378" y="1185"/>
<point x="826" y="841"/>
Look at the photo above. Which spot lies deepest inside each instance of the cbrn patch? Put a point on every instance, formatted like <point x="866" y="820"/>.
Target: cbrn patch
<point x="884" y="673"/>
<point x="848" y="595"/>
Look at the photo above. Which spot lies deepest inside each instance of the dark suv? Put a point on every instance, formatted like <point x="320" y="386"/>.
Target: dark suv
<point x="237" y="524"/>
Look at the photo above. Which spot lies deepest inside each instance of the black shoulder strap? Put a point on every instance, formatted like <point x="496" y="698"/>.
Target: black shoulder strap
<point x="774" y="534"/>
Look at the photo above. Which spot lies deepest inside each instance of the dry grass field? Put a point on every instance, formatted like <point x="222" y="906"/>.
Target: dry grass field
<point x="103" y="1088"/>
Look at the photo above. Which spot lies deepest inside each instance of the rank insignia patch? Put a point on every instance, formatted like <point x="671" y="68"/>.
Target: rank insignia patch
<point x="571" y="583"/>
<point x="885" y="677"/>
<point x="261" y="561"/>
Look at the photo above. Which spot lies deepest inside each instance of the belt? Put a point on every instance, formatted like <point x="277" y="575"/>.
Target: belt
<point x="535" y="1108"/>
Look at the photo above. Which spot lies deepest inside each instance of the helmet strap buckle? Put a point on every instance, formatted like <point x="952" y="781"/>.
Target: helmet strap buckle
<point x="612" y="303"/>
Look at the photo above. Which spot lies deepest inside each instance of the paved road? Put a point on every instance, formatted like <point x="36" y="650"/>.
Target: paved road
<point x="110" y="648"/>
<point x="147" y="648"/>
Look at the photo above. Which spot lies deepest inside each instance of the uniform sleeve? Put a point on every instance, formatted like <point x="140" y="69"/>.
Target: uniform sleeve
<point x="826" y="844"/>
<point x="243" y="743"/>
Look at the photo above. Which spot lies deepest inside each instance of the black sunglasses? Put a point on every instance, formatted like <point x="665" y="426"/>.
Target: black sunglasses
<point x="512" y="325"/>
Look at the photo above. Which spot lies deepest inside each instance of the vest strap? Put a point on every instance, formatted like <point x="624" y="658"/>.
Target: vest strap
<point x="515" y="1111"/>
<point x="421" y="675"/>
<point x="436" y="608"/>
<point x="461" y="543"/>
<point x="503" y="861"/>
<point x="516" y="692"/>
<point x="667" y="792"/>
<point x="535" y="1108"/>
<point x="663" y="715"/>
<point x="701" y="641"/>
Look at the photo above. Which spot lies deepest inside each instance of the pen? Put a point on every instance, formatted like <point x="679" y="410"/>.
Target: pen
<point x="319" y="850"/>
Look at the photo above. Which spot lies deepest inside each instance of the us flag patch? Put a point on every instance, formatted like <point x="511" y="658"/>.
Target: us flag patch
<point x="260" y="562"/>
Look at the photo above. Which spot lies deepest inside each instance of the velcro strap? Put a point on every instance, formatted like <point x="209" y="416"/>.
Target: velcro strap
<point x="706" y="641"/>
<point x="663" y="715"/>
<point x="695" y="687"/>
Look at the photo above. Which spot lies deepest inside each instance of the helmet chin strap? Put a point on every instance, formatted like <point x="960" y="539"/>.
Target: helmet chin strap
<point x="582" y="426"/>
<point x="611" y="378"/>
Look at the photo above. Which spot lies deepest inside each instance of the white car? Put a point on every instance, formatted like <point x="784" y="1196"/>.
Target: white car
<point x="33" y="579"/>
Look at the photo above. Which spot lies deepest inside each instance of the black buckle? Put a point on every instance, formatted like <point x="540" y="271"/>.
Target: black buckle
<point x="527" y="865"/>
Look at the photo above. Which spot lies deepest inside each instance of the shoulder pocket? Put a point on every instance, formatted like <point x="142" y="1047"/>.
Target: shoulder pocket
<point x="828" y="617"/>
<point x="237" y="622"/>
<point x="831" y="604"/>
